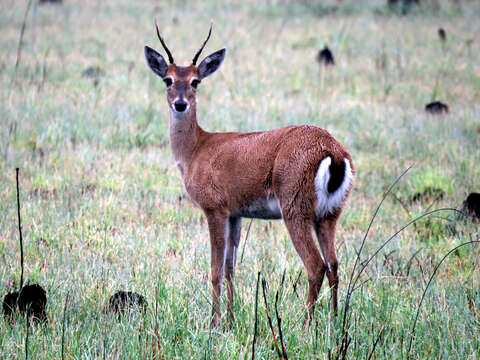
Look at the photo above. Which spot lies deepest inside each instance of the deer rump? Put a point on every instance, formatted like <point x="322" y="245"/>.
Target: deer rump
<point x="257" y="175"/>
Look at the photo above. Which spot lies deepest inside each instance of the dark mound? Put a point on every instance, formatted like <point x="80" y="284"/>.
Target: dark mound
<point x="325" y="56"/>
<point x="50" y="1"/>
<point x="93" y="72"/>
<point x="403" y="5"/>
<point x="428" y="194"/>
<point x="10" y="304"/>
<point x="442" y="34"/>
<point x="436" y="108"/>
<point x="122" y="301"/>
<point x="471" y="206"/>
<point x="31" y="300"/>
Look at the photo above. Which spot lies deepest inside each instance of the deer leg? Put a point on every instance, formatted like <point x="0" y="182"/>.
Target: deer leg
<point x="325" y="230"/>
<point x="234" y="225"/>
<point x="218" y="228"/>
<point x="300" y="231"/>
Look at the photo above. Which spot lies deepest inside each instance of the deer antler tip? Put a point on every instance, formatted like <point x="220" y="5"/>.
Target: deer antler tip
<point x="195" y="58"/>
<point x="170" y="57"/>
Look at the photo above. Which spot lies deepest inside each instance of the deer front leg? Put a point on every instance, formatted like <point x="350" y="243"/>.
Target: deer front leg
<point x="217" y="226"/>
<point x="233" y="237"/>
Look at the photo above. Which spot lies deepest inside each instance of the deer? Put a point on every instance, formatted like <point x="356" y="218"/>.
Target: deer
<point x="300" y="174"/>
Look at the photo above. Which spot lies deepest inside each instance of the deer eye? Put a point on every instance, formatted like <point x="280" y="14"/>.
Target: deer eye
<point x="194" y="83"/>
<point x="168" y="81"/>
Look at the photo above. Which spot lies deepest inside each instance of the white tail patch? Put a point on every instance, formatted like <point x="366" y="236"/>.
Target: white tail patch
<point x="327" y="202"/>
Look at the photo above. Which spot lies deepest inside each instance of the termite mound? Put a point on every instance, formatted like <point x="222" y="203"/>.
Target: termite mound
<point x="31" y="301"/>
<point x="123" y="302"/>
<point x="471" y="206"/>
<point x="325" y="57"/>
<point x="436" y="108"/>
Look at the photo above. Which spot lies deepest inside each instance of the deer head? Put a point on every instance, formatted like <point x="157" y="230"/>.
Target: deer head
<point x="182" y="81"/>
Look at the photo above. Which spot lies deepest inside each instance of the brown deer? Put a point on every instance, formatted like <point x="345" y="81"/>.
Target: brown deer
<point x="300" y="174"/>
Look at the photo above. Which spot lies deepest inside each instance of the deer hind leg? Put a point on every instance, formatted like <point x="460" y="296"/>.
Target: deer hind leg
<point x="233" y="238"/>
<point x="218" y="228"/>
<point x="325" y="230"/>
<point x="300" y="231"/>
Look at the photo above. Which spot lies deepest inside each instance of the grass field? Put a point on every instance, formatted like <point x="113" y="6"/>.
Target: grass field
<point x="103" y="206"/>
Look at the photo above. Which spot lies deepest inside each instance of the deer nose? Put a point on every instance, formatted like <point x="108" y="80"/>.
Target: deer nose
<point x="180" y="105"/>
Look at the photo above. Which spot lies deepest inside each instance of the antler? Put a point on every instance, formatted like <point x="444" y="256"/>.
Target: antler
<point x="170" y="57"/>
<point x="195" y="58"/>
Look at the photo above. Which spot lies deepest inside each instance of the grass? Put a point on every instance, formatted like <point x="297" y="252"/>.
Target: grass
<point x="103" y="206"/>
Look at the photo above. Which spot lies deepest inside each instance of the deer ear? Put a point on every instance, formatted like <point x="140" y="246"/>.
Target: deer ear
<point x="156" y="62"/>
<point x="211" y="63"/>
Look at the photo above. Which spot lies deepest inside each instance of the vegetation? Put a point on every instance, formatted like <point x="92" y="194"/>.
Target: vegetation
<point x="104" y="209"/>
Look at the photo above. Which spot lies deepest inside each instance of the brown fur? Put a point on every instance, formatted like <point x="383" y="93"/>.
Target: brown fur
<point x="223" y="172"/>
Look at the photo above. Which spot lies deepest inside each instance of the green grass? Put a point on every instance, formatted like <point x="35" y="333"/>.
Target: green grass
<point x="103" y="205"/>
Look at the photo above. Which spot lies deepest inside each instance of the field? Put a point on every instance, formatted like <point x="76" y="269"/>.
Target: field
<point x="103" y="207"/>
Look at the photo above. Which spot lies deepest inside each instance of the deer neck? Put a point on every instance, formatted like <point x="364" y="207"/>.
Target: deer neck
<point x="184" y="135"/>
